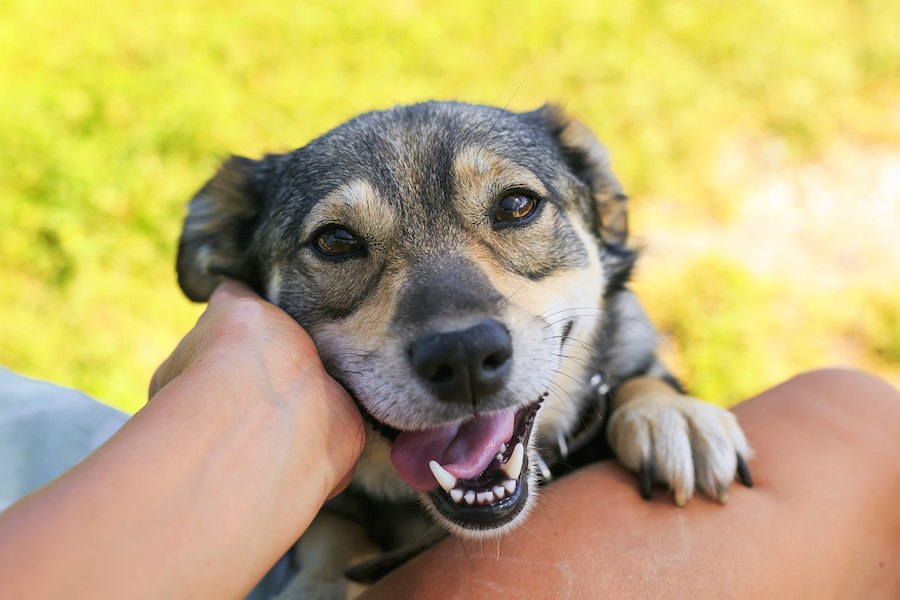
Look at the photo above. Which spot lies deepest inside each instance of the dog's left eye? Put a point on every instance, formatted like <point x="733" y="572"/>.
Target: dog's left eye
<point x="515" y="207"/>
<point x="336" y="241"/>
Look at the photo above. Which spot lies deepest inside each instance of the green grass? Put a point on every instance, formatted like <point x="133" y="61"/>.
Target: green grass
<point x="113" y="113"/>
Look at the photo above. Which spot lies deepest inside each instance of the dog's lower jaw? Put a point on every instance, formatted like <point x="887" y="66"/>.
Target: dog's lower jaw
<point x="380" y="480"/>
<point x="497" y="499"/>
<point x="495" y="524"/>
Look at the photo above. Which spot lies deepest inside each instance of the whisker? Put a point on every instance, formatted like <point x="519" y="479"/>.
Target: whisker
<point x="590" y="349"/>
<point x="496" y="119"/>
<point x="648" y="333"/>
<point x="550" y="312"/>
<point x="575" y="316"/>
<point x="580" y="383"/>
<point x="565" y="398"/>
<point x="578" y="360"/>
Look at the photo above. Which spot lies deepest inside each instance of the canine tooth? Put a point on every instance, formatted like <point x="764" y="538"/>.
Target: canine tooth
<point x="510" y="485"/>
<point x="499" y="456"/>
<point x="470" y="497"/>
<point x="503" y="448"/>
<point x="447" y="481"/>
<point x="499" y="492"/>
<point x="456" y="494"/>
<point x="543" y="468"/>
<point x="514" y="465"/>
<point x="561" y="442"/>
<point x="485" y="497"/>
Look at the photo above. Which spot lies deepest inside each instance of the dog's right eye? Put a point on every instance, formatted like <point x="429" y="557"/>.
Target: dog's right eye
<point x="515" y="207"/>
<point x="337" y="242"/>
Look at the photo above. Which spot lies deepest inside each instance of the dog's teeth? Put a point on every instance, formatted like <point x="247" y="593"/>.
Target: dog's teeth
<point x="499" y="492"/>
<point x="447" y="481"/>
<point x="543" y="468"/>
<point x="503" y="448"/>
<point x="510" y="485"/>
<point x="514" y="465"/>
<point x="470" y="497"/>
<point x="456" y="494"/>
<point x="563" y="445"/>
<point x="499" y="456"/>
<point x="485" y="497"/>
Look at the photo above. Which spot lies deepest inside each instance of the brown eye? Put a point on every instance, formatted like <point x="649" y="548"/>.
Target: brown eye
<point x="515" y="207"/>
<point x="337" y="242"/>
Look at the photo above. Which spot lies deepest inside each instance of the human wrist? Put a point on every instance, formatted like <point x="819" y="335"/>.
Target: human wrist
<point x="327" y="426"/>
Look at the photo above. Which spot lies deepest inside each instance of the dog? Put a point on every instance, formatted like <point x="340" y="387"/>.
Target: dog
<point x="463" y="272"/>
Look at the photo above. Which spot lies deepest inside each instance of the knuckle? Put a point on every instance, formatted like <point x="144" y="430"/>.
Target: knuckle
<point x="243" y="316"/>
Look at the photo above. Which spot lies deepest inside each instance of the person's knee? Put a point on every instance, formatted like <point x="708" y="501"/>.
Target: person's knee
<point x="855" y="402"/>
<point x="847" y="389"/>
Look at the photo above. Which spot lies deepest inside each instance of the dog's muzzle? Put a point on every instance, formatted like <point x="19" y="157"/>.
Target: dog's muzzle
<point x="475" y="472"/>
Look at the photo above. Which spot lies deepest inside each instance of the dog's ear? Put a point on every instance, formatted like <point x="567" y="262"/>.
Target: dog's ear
<point x="219" y="228"/>
<point x="589" y="161"/>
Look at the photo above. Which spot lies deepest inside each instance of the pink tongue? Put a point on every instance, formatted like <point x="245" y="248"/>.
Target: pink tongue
<point x="464" y="449"/>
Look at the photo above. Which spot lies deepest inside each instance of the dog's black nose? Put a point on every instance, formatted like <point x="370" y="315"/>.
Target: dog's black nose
<point x="464" y="365"/>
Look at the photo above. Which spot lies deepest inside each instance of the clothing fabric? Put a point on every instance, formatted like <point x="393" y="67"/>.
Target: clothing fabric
<point x="45" y="430"/>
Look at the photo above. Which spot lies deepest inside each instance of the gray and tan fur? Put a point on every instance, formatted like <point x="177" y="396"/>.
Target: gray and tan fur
<point x="418" y="189"/>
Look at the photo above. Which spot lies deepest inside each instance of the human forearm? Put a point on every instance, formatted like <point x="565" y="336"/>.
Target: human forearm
<point x="200" y="492"/>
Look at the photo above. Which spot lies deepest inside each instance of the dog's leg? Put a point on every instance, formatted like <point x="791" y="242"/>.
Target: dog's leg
<point x="668" y="437"/>
<point x="330" y="545"/>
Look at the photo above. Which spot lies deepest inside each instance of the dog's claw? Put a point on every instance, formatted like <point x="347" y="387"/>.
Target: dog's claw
<point x="646" y="477"/>
<point x="680" y="441"/>
<point x="722" y="494"/>
<point x="744" y="472"/>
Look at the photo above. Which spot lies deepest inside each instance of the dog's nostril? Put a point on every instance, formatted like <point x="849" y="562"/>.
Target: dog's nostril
<point x="443" y="374"/>
<point x="464" y="365"/>
<point x="494" y="361"/>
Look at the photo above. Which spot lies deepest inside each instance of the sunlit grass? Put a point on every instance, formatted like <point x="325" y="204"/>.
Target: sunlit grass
<point x="113" y="113"/>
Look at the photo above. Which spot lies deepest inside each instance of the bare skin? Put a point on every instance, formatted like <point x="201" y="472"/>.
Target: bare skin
<point x="822" y="521"/>
<point x="246" y="436"/>
<point x="202" y="491"/>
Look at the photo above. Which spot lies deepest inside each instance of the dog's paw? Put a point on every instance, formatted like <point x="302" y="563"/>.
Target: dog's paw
<point x="680" y="441"/>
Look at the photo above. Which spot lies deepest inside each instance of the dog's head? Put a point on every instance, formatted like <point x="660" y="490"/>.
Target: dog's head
<point x="450" y="262"/>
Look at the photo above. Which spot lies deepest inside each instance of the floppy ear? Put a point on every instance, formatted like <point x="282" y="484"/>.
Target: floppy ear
<point x="589" y="161"/>
<point x="219" y="228"/>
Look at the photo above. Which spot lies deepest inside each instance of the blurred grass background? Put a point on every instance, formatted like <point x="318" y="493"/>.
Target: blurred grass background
<point x="760" y="142"/>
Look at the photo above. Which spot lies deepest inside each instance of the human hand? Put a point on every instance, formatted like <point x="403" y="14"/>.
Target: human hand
<point x="245" y="349"/>
<point x="244" y="438"/>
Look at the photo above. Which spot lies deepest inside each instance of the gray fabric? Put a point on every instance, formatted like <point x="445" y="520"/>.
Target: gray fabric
<point x="45" y="430"/>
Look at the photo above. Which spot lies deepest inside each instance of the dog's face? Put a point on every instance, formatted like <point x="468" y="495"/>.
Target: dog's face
<point x="450" y="262"/>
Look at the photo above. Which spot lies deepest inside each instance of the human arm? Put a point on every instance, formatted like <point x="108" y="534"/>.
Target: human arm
<point x="822" y="520"/>
<point x="245" y="436"/>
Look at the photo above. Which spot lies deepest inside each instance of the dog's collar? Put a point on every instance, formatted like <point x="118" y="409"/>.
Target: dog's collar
<point x="591" y="421"/>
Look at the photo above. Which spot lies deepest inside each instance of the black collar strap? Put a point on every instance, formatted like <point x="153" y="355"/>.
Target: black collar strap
<point x="591" y="421"/>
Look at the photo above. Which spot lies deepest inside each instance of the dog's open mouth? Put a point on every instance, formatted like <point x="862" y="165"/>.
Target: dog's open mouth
<point x="476" y="471"/>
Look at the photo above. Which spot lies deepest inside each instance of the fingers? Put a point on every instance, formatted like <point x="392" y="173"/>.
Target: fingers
<point x="230" y="290"/>
<point x="191" y="347"/>
<point x="157" y="382"/>
<point x="184" y="355"/>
